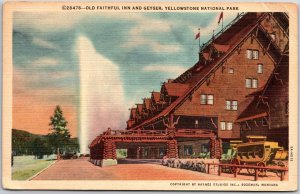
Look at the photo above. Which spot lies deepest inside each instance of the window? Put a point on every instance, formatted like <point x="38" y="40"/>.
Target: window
<point x="231" y="104"/>
<point x="228" y="105"/>
<point x="223" y="125"/>
<point x="273" y="36"/>
<point x="254" y="83"/>
<point x="188" y="150"/>
<point x="210" y="99"/>
<point x="251" y="83"/>
<point x="231" y="70"/>
<point x="249" y="54"/>
<point x="229" y="126"/>
<point x="226" y="125"/>
<point x="207" y="99"/>
<point x="204" y="148"/>
<point x="203" y="99"/>
<point x="248" y="83"/>
<point x="234" y="105"/>
<point x="252" y="54"/>
<point x="196" y="123"/>
<point x="260" y="68"/>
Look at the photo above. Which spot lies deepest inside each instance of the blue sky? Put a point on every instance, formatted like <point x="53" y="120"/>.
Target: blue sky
<point x="148" y="48"/>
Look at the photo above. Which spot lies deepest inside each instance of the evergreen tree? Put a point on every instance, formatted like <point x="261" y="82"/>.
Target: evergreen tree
<point x="60" y="135"/>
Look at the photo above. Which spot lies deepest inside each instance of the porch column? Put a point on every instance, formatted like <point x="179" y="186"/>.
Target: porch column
<point x="109" y="149"/>
<point x="215" y="148"/>
<point x="172" y="151"/>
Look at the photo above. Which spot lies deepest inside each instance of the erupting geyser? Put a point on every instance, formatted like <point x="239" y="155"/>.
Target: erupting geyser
<point x="101" y="94"/>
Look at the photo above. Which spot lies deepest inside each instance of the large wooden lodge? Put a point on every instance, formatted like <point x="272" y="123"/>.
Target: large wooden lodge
<point x="238" y="87"/>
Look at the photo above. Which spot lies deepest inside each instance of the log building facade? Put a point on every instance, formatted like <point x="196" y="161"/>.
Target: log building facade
<point x="222" y="97"/>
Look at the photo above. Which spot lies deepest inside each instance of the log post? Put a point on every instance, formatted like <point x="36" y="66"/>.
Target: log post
<point x="172" y="151"/>
<point x="255" y="174"/>
<point x="219" y="170"/>
<point x="109" y="149"/>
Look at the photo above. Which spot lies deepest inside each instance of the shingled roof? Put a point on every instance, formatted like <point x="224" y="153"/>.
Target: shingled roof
<point x="147" y="103"/>
<point x="156" y="96"/>
<point x="139" y="108"/>
<point x="132" y="113"/>
<point x="175" y="89"/>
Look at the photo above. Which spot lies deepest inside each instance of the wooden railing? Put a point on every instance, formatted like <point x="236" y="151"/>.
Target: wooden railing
<point x="257" y="169"/>
<point x="157" y="132"/>
<point x="137" y="132"/>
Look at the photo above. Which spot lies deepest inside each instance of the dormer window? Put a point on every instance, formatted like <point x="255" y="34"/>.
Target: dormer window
<point x="252" y="54"/>
<point x="273" y="36"/>
<point x="230" y="70"/>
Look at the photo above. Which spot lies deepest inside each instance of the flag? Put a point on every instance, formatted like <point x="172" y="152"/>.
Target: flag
<point x="197" y="36"/>
<point x="220" y="17"/>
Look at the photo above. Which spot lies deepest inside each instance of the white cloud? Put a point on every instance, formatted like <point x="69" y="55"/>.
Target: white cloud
<point x="171" y="69"/>
<point x="44" y="43"/>
<point x="45" y="61"/>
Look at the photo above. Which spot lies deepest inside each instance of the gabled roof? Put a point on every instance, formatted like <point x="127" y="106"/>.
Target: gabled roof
<point x="139" y="108"/>
<point x="175" y="89"/>
<point x="132" y="113"/>
<point x="156" y="96"/>
<point x="147" y="103"/>
<point x="205" y="56"/>
<point x="221" y="48"/>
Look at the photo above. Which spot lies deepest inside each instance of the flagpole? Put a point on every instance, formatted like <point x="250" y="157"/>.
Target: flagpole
<point x="199" y="41"/>
<point x="222" y="22"/>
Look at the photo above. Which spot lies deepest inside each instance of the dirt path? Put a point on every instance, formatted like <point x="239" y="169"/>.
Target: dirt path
<point x="82" y="169"/>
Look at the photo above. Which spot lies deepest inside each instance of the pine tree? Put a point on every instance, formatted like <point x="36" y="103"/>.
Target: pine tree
<point x="60" y="135"/>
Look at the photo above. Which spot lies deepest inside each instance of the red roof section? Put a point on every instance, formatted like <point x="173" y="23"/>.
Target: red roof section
<point x="147" y="103"/>
<point x="176" y="89"/>
<point x="132" y="113"/>
<point x="156" y="96"/>
<point x="221" y="48"/>
<point x="139" y="108"/>
<point x="206" y="56"/>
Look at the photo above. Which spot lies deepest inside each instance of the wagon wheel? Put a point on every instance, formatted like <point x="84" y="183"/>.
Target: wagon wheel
<point x="235" y="169"/>
<point x="262" y="172"/>
<point x="278" y="172"/>
<point x="251" y="171"/>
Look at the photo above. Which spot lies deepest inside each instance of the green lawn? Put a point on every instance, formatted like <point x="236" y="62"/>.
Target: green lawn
<point x="26" y="166"/>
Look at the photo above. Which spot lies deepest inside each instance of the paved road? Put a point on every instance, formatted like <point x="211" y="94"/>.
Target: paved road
<point x="82" y="169"/>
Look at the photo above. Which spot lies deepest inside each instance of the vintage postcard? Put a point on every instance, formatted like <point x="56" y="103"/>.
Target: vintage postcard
<point x="150" y="96"/>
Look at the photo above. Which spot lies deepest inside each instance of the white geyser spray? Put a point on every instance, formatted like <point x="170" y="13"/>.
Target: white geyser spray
<point x="101" y="94"/>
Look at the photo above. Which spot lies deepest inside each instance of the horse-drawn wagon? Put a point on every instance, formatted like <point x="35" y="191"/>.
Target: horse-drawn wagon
<point x="259" y="152"/>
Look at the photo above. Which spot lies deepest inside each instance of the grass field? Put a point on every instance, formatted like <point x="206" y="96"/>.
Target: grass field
<point x="26" y="166"/>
